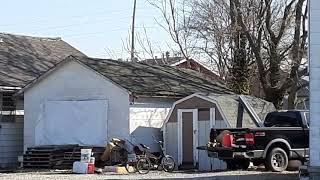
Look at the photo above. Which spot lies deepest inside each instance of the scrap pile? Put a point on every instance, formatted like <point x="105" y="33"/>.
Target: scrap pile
<point x="115" y="152"/>
<point x="56" y="156"/>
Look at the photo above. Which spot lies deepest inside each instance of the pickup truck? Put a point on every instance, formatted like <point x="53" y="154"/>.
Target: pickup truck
<point x="284" y="136"/>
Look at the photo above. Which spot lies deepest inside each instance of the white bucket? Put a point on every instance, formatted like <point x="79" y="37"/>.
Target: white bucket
<point x="92" y="160"/>
<point x="85" y="155"/>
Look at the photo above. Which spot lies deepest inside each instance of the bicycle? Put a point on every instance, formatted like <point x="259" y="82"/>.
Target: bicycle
<point x="138" y="162"/>
<point x="166" y="162"/>
<point x="142" y="165"/>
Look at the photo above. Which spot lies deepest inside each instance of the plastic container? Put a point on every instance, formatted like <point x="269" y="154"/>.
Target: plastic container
<point x="85" y="155"/>
<point x="227" y="140"/>
<point x="91" y="168"/>
<point x="80" y="167"/>
<point x="92" y="160"/>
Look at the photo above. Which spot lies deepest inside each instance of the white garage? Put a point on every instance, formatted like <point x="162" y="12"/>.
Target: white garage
<point x="88" y="101"/>
<point x="74" y="105"/>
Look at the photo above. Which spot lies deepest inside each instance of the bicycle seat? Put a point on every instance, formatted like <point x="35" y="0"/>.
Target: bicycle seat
<point x="144" y="146"/>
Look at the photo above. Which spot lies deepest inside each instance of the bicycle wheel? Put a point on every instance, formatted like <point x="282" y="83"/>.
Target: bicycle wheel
<point x="143" y="165"/>
<point x="168" y="164"/>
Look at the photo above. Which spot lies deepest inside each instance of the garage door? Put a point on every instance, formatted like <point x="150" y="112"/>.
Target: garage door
<point x="73" y="122"/>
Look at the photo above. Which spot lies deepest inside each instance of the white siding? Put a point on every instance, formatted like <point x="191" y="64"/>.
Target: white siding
<point x="314" y="82"/>
<point x="148" y="118"/>
<point x="73" y="81"/>
<point x="206" y="163"/>
<point x="171" y="137"/>
<point x="11" y="142"/>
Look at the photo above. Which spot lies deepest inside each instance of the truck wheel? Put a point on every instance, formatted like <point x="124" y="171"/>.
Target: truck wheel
<point x="277" y="160"/>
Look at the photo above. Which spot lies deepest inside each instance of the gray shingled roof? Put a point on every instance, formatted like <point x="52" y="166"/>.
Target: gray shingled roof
<point x="162" y="61"/>
<point x="229" y="105"/>
<point x="23" y="58"/>
<point x="153" y="80"/>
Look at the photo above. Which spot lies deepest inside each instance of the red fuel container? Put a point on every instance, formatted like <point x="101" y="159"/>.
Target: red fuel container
<point x="91" y="168"/>
<point x="227" y="140"/>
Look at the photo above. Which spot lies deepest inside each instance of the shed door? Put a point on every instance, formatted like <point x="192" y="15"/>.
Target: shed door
<point x="73" y="122"/>
<point x="187" y="137"/>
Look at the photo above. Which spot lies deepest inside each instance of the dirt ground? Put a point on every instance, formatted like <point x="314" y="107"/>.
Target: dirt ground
<point x="223" y="175"/>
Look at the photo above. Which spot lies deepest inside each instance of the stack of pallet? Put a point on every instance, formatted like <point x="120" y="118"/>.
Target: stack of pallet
<point x="58" y="157"/>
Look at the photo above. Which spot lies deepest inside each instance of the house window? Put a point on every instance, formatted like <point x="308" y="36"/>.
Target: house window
<point x="7" y="107"/>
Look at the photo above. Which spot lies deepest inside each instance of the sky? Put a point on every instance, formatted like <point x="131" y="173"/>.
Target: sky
<point x="98" y="28"/>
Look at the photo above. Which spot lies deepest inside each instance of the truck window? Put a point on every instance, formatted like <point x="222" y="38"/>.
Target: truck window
<point x="282" y="119"/>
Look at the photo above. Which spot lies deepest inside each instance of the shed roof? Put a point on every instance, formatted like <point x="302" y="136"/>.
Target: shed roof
<point x="151" y="80"/>
<point x="23" y="58"/>
<point x="229" y="103"/>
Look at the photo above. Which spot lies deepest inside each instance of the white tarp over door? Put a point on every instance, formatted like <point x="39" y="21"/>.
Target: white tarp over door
<point x="73" y="122"/>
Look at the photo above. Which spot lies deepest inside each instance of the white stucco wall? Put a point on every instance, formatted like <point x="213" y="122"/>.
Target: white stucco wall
<point x="74" y="81"/>
<point x="314" y="56"/>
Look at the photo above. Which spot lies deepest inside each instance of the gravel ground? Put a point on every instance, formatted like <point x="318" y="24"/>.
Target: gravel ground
<point x="224" y="175"/>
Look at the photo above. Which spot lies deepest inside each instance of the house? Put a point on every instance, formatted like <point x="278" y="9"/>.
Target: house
<point x="198" y="113"/>
<point x="101" y="99"/>
<point x="185" y="63"/>
<point x="314" y="54"/>
<point x="22" y="59"/>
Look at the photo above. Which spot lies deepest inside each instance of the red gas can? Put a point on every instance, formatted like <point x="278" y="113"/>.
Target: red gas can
<point x="91" y="168"/>
<point x="227" y="140"/>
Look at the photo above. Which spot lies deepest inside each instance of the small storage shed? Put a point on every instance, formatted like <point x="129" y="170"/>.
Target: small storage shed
<point x="190" y="119"/>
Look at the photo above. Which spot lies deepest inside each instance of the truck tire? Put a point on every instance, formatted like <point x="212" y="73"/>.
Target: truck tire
<point x="277" y="160"/>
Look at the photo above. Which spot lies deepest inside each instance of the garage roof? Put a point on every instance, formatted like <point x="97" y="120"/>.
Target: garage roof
<point x="151" y="80"/>
<point x="24" y="58"/>
<point x="154" y="80"/>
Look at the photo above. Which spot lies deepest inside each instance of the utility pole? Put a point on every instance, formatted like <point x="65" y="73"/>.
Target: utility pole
<point x="132" y="31"/>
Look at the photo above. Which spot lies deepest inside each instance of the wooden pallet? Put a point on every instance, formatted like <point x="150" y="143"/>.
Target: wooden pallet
<point x="60" y="157"/>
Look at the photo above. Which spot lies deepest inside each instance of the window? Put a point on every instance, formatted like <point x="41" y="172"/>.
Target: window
<point x="8" y="103"/>
<point x="7" y="107"/>
<point x="282" y="119"/>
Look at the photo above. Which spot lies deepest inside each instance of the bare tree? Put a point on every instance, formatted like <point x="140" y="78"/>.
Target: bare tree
<point x="243" y="37"/>
<point x="222" y="41"/>
<point x="174" y="23"/>
<point x="271" y="44"/>
<point x="145" y="43"/>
